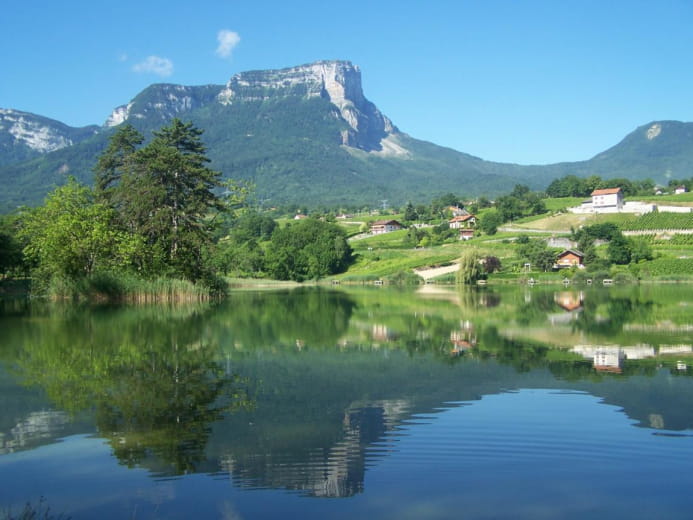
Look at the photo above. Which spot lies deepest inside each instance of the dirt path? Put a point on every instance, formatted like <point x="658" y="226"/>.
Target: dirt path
<point x="432" y="272"/>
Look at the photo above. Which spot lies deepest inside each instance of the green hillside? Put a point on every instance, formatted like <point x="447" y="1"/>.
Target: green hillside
<point x="288" y="133"/>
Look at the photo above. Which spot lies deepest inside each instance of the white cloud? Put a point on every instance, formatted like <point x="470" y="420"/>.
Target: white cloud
<point x="156" y="65"/>
<point x="227" y="42"/>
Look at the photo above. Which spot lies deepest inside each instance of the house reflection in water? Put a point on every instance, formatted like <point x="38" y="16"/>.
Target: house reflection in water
<point x="463" y="338"/>
<point x="571" y="302"/>
<point x="611" y="358"/>
<point x="383" y="333"/>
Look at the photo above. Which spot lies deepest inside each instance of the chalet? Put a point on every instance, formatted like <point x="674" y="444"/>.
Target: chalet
<point x="679" y="190"/>
<point x="384" y="226"/>
<point x="569" y="258"/>
<point x="462" y="221"/>
<point x="607" y="198"/>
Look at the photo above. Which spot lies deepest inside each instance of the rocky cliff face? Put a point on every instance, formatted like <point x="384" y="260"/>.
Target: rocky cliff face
<point x="39" y="133"/>
<point x="162" y="102"/>
<point x="337" y="81"/>
<point x="24" y="136"/>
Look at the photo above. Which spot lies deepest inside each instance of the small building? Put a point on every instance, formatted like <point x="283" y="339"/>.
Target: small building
<point x="679" y="190"/>
<point x="456" y="211"/>
<point x="462" y="221"/>
<point x="466" y="233"/>
<point x="385" y="226"/>
<point x="300" y="216"/>
<point x="607" y="198"/>
<point x="569" y="258"/>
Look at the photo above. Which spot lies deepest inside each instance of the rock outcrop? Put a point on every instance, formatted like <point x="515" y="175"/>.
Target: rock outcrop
<point x="337" y="81"/>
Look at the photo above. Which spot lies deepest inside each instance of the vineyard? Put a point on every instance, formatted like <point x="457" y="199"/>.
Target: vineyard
<point x="676" y="267"/>
<point x="659" y="221"/>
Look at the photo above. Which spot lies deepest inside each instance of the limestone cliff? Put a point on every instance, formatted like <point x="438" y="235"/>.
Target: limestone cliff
<point x="337" y="81"/>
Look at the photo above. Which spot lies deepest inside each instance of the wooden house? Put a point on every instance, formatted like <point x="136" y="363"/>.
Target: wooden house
<point x="569" y="258"/>
<point x="385" y="226"/>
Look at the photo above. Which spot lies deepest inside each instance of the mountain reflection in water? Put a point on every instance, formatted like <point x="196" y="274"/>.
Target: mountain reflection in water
<point x="311" y="390"/>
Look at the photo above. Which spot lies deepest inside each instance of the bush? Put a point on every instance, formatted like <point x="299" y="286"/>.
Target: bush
<point x="403" y="278"/>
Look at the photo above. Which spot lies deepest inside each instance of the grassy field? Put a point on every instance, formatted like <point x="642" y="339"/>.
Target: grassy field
<point x="384" y="255"/>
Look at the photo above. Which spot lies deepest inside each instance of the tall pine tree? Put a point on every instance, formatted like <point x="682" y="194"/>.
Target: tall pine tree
<point x="164" y="192"/>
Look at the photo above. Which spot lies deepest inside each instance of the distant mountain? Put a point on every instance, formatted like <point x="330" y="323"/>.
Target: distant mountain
<point x="308" y="135"/>
<point x="659" y="150"/>
<point x="24" y="136"/>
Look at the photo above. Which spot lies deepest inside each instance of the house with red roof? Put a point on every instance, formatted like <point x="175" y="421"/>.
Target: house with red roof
<point x="607" y="198"/>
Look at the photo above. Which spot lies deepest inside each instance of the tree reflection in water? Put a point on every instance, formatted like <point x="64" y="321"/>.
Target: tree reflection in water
<point x="153" y="381"/>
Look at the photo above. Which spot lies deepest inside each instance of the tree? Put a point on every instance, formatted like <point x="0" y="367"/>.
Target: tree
<point x="166" y="194"/>
<point x="10" y="247"/>
<point x="492" y="264"/>
<point x="409" y="212"/>
<point x="640" y="251"/>
<point x="471" y="268"/>
<point x="489" y="222"/>
<point x="71" y="236"/>
<point x="310" y="249"/>
<point x="115" y="160"/>
<point x="619" y="250"/>
<point x="537" y="253"/>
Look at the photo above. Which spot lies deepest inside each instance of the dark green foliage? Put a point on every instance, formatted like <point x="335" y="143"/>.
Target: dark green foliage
<point x="521" y="202"/>
<point x="165" y="194"/>
<point x="537" y="253"/>
<point x="310" y="249"/>
<point x="253" y="225"/>
<point x="10" y="246"/>
<point x="116" y="159"/>
<point x="640" y="250"/>
<point x="489" y="221"/>
<point x="619" y="249"/>
<point x="410" y="213"/>
<point x="604" y="231"/>
<point x="414" y="235"/>
<point x="492" y="264"/>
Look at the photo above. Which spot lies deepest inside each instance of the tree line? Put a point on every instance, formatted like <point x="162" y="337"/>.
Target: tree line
<point x="158" y="211"/>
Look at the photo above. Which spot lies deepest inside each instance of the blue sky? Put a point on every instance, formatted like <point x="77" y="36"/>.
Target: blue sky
<point x="530" y="82"/>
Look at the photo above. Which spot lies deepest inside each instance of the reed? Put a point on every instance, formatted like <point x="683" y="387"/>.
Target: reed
<point x="126" y="288"/>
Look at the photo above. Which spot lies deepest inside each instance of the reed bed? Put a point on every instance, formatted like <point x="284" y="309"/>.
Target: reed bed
<point x="123" y="288"/>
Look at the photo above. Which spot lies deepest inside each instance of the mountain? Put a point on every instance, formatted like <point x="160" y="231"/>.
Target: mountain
<point x="308" y="135"/>
<point x="24" y="136"/>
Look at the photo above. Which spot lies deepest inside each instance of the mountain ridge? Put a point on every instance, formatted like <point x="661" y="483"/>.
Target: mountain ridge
<point x="308" y="135"/>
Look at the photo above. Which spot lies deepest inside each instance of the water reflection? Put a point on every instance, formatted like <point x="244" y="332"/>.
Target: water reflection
<point x="306" y="390"/>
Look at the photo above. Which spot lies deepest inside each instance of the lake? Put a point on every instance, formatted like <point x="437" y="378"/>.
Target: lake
<point x="373" y="402"/>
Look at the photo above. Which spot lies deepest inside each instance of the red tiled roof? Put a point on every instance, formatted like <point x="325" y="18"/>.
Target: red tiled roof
<point x="606" y="191"/>
<point x="461" y="218"/>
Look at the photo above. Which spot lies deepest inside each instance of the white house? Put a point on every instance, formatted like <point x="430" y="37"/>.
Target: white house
<point x="607" y="198"/>
<point x="462" y="221"/>
<point x="385" y="226"/>
<point x="679" y="190"/>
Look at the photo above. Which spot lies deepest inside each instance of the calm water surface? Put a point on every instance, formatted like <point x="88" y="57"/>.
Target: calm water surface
<point x="373" y="403"/>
